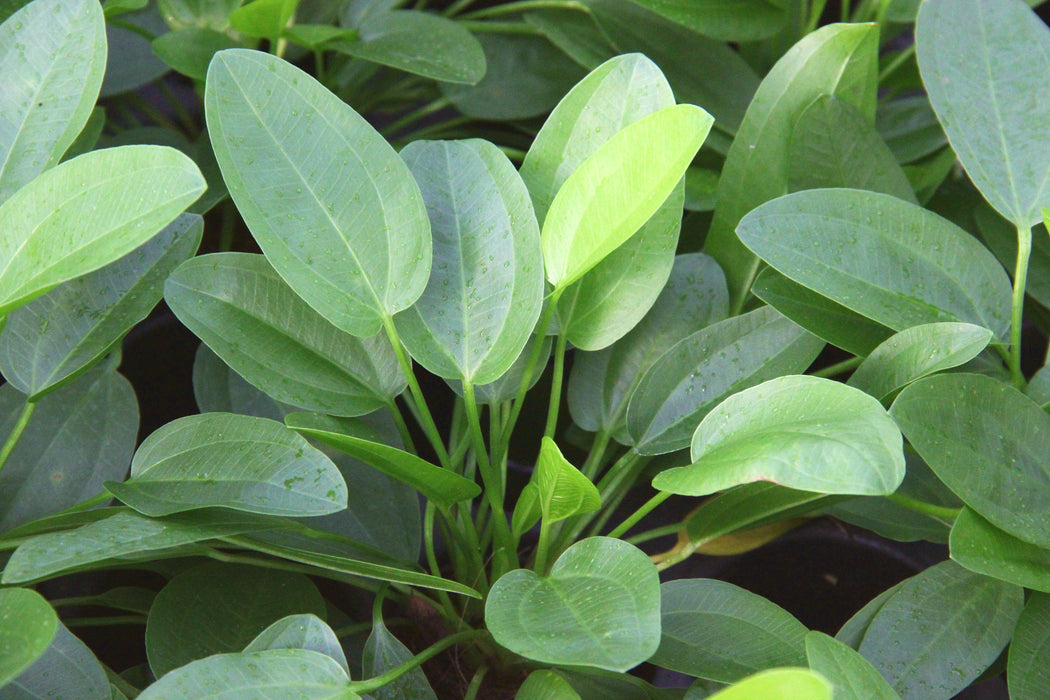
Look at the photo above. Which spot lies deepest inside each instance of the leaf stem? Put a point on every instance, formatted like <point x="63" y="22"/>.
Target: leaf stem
<point x="402" y="427"/>
<point x="118" y="682"/>
<point x="415" y="115"/>
<point x="643" y="511"/>
<point x="838" y="368"/>
<point x="523" y="28"/>
<point x="16" y="432"/>
<point x="475" y="683"/>
<point x="432" y="562"/>
<point x="556" y="381"/>
<point x="1024" y="252"/>
<point x="542" y="548"/>
<point x="895" y="64"/>
<point x="596" y="456"/>
<point x="371" y="684"/>
<point x="524" y="6"/>
<point x="923" y="507"/>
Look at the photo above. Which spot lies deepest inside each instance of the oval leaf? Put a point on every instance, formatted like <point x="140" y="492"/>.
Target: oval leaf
<point x="849" y="672"/>
<point x="28" y="623"/>
<point x="802" y="432"/>
<point x="563" y="490"/>
<point x="240" y="462"/>
<point x="59" y="227"/>
<point x="245" y="312"/>
<point x="486" y="283"/>
<point x="599" y="607"/>
<point x="884" y="258"/>
<point x="985" y="549"/>
<point x="334" y="209"/>
<point x="1027" y="671"/>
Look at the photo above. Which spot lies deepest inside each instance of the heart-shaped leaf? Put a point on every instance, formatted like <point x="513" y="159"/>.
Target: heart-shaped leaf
<point x="546" y="685"/>
<point x="383" y="652"/>
<point x="28" y="623"/>
<point x="239" y="306"/>
<point x="1026" y="668"/>
<point x="851" y="674"/>
<point x="358" y="246"/>
<point x="802" y="432"/>
<point x="230" y="461"/>
<point x="303" y="631"/>
<point x="556" y="491"/>
<point x="599" y="606"/>
<point x="882" y="257"/>
<point x="985" y="549"/>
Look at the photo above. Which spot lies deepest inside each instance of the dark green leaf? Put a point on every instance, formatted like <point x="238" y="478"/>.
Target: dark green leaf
<point x="28" y="623"/>
<point x="1027" y="671"/>
<point x="190" y="50"/>
<point x="851" y="675"/>
<point x="910" y="128"/>
<point x="67" y="669"/>
<point x="575" y="32"/>
<point x="218" y="389"/>
<point x="383" y="651"/>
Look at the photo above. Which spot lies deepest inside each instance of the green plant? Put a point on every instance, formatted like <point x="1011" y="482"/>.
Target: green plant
<point x="317" y="436"/>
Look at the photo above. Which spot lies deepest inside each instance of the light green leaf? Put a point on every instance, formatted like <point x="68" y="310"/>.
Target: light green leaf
<point x="917" y="352"/>
<point x="190" y="50"/>
<point x="28" y="623"/>
<point x="54" y="55"/>
<point x="59" y="227"/>
<point x="779" y="684"/>
<point x="77" y="438"/>
<point x="824" y="318"/>
<point x="987" y="442"/>
<point x="439" y="485"/>
<point x="230" y="461"/>
<point x="563" y="490"/>
<point x="715" y="630"/>
<point x="598" y="607"/>
<point x="892" y="261"/>
<point x="1027" y="670"/>
<point x="973" y="617"/>
<point x="420" y="43"/>
<point x="835" y="145"/>
<point x="602" y="382"/>
<point x="698" y="372"/>
<point x="124" y="535"/>
<point x="575" y="32"/>
<point x="746" y="20"/>
<point x="216" y="607"/>
<point x="263" y="18"/>
<point x="245" y="312"/>
<point x="614" y="191"/>
<point x="383" y="651"/>
<point x="212" y="14"/>
<point x="506" y="387"/>
<point x="802" y="432"/>
<point x="849" y="672"/>
<point x="546" y="685"/>
<point x="67" y="669"/>
<point x="54" y="338"/>
<point x="839" y="60"/>
<point x="275" y="673"/>
<point x="985" y="549"/>
<point x="525" y="76"/>
<point x="486" y="282"/>
<point x="358" y="246"/>
<point x="303" y="631"/>
<point x="990" y="95"/>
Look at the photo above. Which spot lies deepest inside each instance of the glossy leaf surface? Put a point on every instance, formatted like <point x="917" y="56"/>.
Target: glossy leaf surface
<point x="240" y="462"/>
<point x="334" y="209"/>
<point x="599" y="606"/>
<point x="28" y="623"/>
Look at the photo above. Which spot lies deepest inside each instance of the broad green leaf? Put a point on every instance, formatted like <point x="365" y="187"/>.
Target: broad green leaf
<point x="598" y="607"/>
<point x="216" y="607"/>
<point x="985" y="549"/>
<point x="802" y="432"/>
<point x="439" y="485"/>
<point x="230" y="461"/>
<point x="839" y="60"/>
<point x="54" y="338"/>
<point x="77" y="438"/>
<point x="356" y="247"/>
<point x="263" y="18"/>
<point x="124" y="535"/>
<point x="972" y="616"/>
<point x="68" y="669"/>
<point x="275" y="673"/>
<point x="525" y="76"/>
<point x="1027" y="671"/>
<point x="602" y="382"/>
<point x="316" y="36"/>
<point x="245" y="312"/>
<point x="563" y="491"/>
<point x="849" y="672"/>
<point x="383" y="652"/>
<point x="420" y="43"/>
<point x="211" y="14"/>
<point x="303" y="631"/>
<point x="917" y="352"/>
<point x="59" y="227"/>
<point x="701" y="370"/>
<point x="217" y="388"/>
<point x="28" y="623"/>
<point x="824" y="318"/>
<point x="892" y="261"/>
<point x="575" y="32"/>
<point x="987" y="442"/>
<point x="63" y="520"/>
<point x="910" y="128"/>
<point x="745" y="20"/>
<point x="724" y="87"/>
<point x="486" y="282"/>
<point x="715" y="630"/>
<point x="835" y="145"/>
<point x="546" y="685"/>
<point x="54" y="54"/>
<point x="130" y="61"/>
<point x="853" y="630"/>
<point x="615" y="190"/>
<point x="990" y="96"/>
<point x="115" y="8"/>
<point x="779" y="684"/>
<point x="190" y="50"/>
